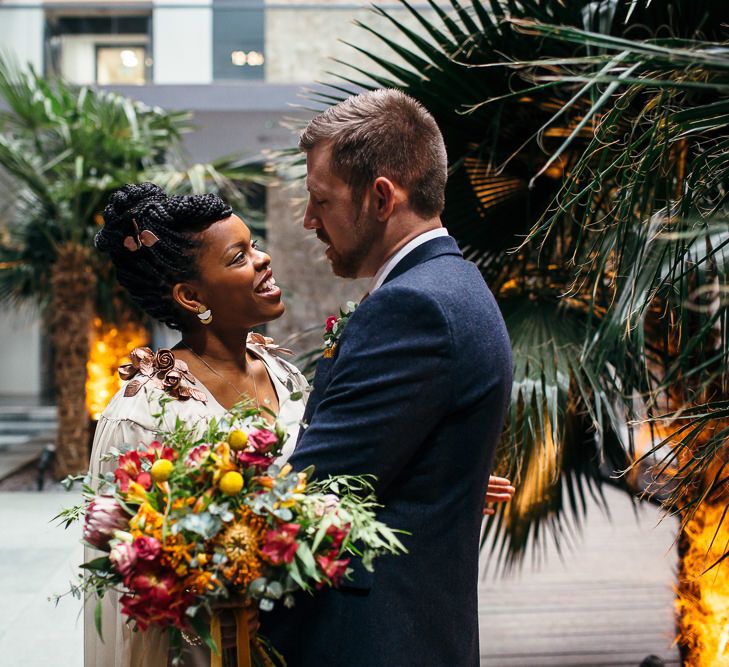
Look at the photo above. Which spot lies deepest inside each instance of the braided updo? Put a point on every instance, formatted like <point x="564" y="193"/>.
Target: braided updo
<point x="149" y="274"/>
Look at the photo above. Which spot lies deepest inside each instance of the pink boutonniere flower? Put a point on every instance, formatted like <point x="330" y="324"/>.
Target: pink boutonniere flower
<point x="334" y="327"/>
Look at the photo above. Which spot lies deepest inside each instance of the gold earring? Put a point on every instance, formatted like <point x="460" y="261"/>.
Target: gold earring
<point x="204" y="314"/>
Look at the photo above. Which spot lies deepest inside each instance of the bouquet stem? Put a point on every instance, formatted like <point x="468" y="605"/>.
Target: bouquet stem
<point x="243" y="641"/>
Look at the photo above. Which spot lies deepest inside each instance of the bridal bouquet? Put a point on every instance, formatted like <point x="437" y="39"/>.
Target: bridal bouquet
<point x="190" y="520"/>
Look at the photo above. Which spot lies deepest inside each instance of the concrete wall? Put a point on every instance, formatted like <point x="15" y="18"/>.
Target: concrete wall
<point x="311" y="291"/>
<point x="182" y="42"/>
<point x="21" y="33"/>
<point x="303" y="39"/>
<point x="20" y="354"/>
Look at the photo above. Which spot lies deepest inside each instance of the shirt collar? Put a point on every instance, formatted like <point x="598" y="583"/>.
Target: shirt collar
<point x="391" y="263"/>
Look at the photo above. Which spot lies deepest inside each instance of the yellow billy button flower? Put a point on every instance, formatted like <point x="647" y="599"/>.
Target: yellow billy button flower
<point x="231" y="483"/>
<point x="161" y="470"/>
<point x="237" y="439"/>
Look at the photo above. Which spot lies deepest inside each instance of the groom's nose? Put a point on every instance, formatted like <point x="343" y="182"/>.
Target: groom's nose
<point x="311" y="221"/>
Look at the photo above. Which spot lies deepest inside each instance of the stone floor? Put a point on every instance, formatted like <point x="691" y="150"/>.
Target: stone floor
<point x="607" y="603"/>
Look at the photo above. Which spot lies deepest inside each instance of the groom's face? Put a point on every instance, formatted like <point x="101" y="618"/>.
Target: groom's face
<point x="346" y="227"/>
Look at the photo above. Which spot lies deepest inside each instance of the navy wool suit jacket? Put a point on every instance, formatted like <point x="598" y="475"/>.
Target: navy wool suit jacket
<point x="416" y="394"/>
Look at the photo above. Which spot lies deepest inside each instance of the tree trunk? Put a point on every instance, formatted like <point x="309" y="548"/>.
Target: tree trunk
<point x="73" y="286"/>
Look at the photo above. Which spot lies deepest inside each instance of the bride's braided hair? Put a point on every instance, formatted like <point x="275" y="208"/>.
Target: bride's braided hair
<point x="149" y="273"/>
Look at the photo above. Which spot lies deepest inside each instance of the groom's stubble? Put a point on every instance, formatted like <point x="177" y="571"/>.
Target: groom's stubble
<point x="364" y="231"/>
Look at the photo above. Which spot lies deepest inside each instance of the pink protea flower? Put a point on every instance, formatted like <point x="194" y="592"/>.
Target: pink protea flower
<point x="123" y="557"/>
<point x="279" y="546"/>
<point x="104" y="515"/>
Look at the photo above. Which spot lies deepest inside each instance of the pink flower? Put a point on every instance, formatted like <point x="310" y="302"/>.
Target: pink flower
<point x="330" y="503"/>
<point x="279" y="546"/>
<point x="147" y="548"/>
<point x="197" y="455"/>
<point x="253" y="460"/>
<point x="262" y="440"/>
<point x="104" y="515"/>
<point x="334" y="569"/>
<point x="331" y="321"/>
<point x="123" y="556"/>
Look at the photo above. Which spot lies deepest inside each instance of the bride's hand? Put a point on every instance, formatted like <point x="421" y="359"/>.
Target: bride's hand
<point x="499" y="490"/>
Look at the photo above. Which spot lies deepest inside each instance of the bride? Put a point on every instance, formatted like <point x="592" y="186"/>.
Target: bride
<point x="189" y="263"/>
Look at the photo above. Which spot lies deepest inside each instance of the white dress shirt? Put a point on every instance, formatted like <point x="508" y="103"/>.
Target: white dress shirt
<point x="390" y="264"/>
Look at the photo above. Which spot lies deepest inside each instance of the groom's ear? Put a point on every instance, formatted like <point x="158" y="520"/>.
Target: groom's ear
<point x="385" y="197"/>
<point x="186" y="296"/>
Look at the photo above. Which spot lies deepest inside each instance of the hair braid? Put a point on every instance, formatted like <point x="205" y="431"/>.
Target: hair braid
<point x="150" y="273"/>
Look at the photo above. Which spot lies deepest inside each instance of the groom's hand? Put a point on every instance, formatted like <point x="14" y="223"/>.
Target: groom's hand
<point x="499" y="490"/>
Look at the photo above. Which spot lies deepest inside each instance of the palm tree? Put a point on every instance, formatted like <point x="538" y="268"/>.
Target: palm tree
<point x="544" y="129"/>
<point x="64" y="149"/>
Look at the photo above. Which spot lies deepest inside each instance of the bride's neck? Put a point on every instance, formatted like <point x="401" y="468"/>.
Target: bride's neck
<point x="221" y="352"/>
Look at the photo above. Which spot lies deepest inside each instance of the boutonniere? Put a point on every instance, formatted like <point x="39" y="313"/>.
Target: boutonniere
<point x="334" y="327"/>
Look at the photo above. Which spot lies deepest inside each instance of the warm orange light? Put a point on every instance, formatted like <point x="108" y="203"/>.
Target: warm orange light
<point x="703" y="599"/>
<point x="110" y="347"/>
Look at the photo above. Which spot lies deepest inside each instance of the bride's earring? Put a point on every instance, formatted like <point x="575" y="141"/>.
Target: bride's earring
<point x="204" y="314"/>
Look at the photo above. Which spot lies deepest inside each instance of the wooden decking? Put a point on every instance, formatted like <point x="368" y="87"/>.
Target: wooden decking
<point x="609" y="602"/>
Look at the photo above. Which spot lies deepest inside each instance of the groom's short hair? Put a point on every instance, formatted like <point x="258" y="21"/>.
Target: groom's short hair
<point x="385" y="133"/>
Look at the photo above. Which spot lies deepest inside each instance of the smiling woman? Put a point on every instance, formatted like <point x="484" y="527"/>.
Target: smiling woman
<point x="190" y="263"/>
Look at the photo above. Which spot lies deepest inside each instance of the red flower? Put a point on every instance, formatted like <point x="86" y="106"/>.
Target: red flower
<point x="334" y="569"/>
<point x="130" y="470"/>
<point x="155" y="599"/>
<point x="145" y="479"/>
<point x="147" y="548"/>
<point x="262" y="440"/>
<point x="337" y="535"/>
<point x="158" y="451"/>
<point x="331" y="321"/>
<point x="254" y="460"/>
<point x="279" y="546"/>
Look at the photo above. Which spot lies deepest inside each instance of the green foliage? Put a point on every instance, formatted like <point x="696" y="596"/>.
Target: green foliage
<point x="579" y="134"/>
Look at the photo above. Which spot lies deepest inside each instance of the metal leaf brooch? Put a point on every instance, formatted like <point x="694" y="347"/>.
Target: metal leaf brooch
<point x="164" y="371"/>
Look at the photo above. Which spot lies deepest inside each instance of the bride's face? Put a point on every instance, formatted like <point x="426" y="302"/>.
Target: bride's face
<point x="235" y="277"/>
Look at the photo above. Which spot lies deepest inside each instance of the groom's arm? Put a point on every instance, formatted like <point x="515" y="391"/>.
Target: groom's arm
<point x="390" y="386"/>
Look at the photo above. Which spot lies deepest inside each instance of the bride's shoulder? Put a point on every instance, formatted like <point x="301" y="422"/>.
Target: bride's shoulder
<point x="149" y="373"/>
<point x="271" y="353"/>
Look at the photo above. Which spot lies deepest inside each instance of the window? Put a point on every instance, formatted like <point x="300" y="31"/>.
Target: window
<point x="238" y="48"/>
<point x="99" y="49"/>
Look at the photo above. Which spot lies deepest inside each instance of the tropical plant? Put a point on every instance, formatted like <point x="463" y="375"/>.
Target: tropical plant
<point x="63" y="149"/>
<point x="588" y="129"/>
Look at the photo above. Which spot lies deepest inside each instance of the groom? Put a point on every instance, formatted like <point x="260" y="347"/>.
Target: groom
<point x="415" y="392"/>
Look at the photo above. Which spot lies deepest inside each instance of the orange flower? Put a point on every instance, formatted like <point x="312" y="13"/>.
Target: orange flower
<point x="200" y="582"/>
<point x="146" y="521"/>
<point x="241" y="542"/>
